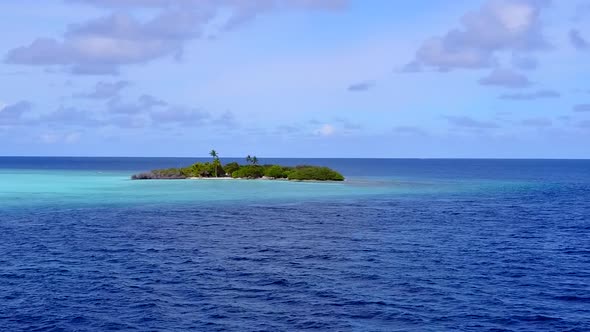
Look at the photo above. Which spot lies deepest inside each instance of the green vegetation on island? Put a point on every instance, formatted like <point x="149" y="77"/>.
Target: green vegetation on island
<point x="251" y="170"/>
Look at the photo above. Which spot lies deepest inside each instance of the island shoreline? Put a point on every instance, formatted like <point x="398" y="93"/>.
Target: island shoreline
<point x="233" y="171"/>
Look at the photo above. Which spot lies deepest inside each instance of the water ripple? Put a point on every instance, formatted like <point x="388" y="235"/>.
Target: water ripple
<point x="496" y="262"/>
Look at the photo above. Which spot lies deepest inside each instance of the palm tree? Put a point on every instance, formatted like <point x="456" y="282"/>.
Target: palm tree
<point x="254" y="160"/>
<point x="215" y="156"/>
<point x="248" y="159"/>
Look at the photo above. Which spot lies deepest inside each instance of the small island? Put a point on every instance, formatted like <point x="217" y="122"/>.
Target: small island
<point x="251" y="170"/>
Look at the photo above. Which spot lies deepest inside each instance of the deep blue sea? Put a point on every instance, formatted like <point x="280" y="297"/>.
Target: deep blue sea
<point x="402" y="245"/>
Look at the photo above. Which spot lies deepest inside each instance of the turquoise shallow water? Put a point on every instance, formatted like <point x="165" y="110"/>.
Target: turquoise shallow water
<point x="79" y="188"/>
<point x="402" y="245"/>
<point x="76" y="182"/>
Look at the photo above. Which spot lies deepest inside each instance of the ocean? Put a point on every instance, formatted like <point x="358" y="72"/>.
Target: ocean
<point x="401" y="245"/>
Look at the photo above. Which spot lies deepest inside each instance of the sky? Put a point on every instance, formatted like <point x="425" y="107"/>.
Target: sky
<point x="295" y="78"/>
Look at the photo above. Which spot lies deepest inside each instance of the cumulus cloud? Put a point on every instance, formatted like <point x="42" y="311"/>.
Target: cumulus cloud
<point x="541" y="94"/>
<point x="578" y="41"/>
<point x="468" y="122"/>
<point x="102" y="45"/>
<point x="505" y="78"/>
<point x="582" y="108"/>
<point x="104" y="90"/>
<point x="361" y="86"/>
<point x="499" y="25"/>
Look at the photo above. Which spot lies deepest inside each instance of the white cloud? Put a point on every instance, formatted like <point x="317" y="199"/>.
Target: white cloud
<point x="101" y="46"/>
<point x="326" y="130"/>
<point x="499" y="25"/>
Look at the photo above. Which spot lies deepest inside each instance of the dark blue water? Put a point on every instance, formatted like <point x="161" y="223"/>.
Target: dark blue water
<point x="494" y="259"/>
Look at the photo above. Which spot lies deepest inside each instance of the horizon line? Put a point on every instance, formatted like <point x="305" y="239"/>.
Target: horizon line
<point x="233" y="157"/>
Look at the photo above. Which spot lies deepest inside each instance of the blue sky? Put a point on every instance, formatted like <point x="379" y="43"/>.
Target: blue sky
<point x="295" y="78"/>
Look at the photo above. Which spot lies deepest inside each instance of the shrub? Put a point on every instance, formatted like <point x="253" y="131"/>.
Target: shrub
<point x="203" y="170"/>
<point x="314" y="173"/>
<point x="275" y="171"/>
<point x="249" y="172"/>
<point x="231" y="167"/>
<point x="302" y="172"/>
<point x="169" y="173"/>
